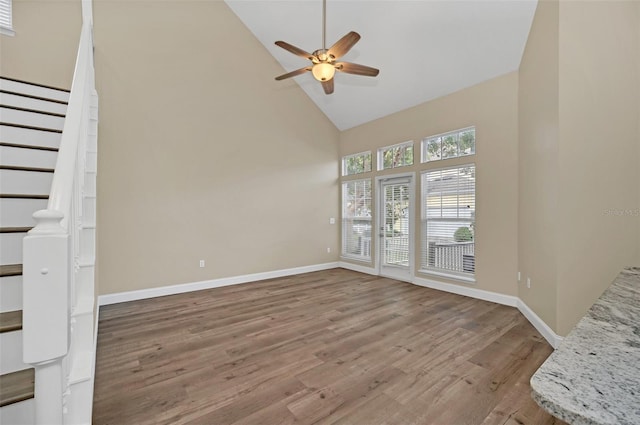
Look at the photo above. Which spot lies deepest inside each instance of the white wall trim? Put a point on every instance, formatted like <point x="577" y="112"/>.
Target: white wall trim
<point x="358" y="268"/>
<point x="480" y="294"/>
<point x="552" y="338"/>
<point x="141" y="294"/>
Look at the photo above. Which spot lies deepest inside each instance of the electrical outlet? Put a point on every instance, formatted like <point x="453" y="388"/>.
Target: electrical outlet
<point x="518" y="276"/>
<point x="528" y="282"/>
<point x="332" y="220"/>
<point x="201" y="263"/>
<point x="328" y="250"/>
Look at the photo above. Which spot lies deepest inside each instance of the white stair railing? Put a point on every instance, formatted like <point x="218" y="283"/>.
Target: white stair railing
<point x="59" y="260"/>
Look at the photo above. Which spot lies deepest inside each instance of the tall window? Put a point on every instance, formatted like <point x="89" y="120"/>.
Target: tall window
<point x="356" y="219"/>
<point x="448" y="220"/>
<point x="394" y="156"/>
<point x="449" y="145"/>
<point x="356" y="163"/>
<point x="6" y="18"/>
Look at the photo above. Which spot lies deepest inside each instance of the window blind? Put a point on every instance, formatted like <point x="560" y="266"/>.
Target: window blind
<point x="448" y="219"/>
<point x="6" y="21"/>
<point x="356" y="219"/>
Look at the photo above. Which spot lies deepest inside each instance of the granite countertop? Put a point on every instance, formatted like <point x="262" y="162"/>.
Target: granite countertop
<point x="593" y="377"/>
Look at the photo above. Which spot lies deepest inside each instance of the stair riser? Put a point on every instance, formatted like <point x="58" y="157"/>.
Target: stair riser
<point x="11" y="248"/>
<point x="11" y="352"/>
<point x="26" y="182"/>
<point x="10" y="293"/>
<point x="18" y="212"/>
<point x="32" y="119"/>
<point x="30" y="103"/>
<point x="27" y="157"/>
<point x="22" y="413"/>
<point x="23" y="136"/>
<point x="32" y="90"/>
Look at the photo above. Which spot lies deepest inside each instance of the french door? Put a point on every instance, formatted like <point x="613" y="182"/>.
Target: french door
<point x="395" y="227"/>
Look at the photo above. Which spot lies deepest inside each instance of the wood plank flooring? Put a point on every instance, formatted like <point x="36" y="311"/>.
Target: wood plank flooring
<point x="330" y="347"/>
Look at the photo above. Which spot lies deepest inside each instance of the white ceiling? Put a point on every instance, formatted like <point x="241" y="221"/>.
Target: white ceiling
<point x="424" y="48"/>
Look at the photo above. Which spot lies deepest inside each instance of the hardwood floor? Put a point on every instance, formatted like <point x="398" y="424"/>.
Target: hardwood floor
<point x="330" y="347"/>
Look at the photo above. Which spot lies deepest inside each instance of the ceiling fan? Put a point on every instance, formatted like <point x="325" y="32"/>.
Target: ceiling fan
<point x="324" y="65"/>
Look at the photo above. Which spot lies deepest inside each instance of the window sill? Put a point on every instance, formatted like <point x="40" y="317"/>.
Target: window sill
<point x="7" y="31"/>
<point x="354" y="258"/>
<point x="451" y="276"/>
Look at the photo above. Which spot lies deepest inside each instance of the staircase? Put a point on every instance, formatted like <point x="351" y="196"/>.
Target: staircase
<point x="48" y="165"/>
<point x="31" y="123"/>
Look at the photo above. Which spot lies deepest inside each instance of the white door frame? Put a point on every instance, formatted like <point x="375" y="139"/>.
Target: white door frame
<point x="379" y="198"/>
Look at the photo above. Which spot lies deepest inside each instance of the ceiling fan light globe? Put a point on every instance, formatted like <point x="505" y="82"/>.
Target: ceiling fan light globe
<point x="323" y="71"/>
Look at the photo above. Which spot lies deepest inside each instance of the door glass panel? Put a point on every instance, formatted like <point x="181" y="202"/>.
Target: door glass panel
<point x="395" y="231"/>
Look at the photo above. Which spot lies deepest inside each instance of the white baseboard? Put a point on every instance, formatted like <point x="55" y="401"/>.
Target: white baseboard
<point x="480" y="294"/>
<point x="208" y="284"/>
<point x="552" y="338"/>
<point x="358" y="268"/>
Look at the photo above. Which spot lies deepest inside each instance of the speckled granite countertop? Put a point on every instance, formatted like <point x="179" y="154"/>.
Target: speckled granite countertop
<point x="593" y="377"/>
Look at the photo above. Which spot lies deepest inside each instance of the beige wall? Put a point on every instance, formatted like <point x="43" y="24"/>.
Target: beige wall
<point x="538" y="127"/>
<point x="599" y="144"/>
<point x="579" y="148"/>
<point x="202" y="154"/>
<point x="492" y="107"/>
<point x="45" y="45"/>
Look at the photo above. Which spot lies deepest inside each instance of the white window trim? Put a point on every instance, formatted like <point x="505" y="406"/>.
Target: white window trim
<point x="353" y="155"/>
<point x="462" y="277"/>
<point x="448" y="274"/>
<point x="380" y="159"/>
<point x="423" y="145"/>
<point x="6" y="18"/>
<point x="346" y="256"/>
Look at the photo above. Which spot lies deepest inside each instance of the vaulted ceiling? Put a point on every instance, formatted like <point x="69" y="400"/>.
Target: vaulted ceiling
<point x="424" y="48"/>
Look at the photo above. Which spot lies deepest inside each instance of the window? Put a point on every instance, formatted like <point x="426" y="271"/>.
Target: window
<point x="6" y="20"/>
<point x="449" y="145"/>
<point x="356" y="219"/>
<point x="448" y="220"/>
<point x="399" y="155"/>
<point x="356" y="163"/>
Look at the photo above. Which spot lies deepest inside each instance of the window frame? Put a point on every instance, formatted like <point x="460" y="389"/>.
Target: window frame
<point x="437" y="271"/>
<point x="355" y="155"/>
<point x="425" y="142"/>
<point x="344" y="220"/>
<point x="383" y="149"/>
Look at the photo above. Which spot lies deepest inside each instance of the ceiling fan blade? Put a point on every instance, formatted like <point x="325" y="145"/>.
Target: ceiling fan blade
<point x="295" y="50"/>
<point x="354" y="68"/>
<point x="342" y="46"/>
<point x="293" y="73"/>
<point x="328" y="86"/>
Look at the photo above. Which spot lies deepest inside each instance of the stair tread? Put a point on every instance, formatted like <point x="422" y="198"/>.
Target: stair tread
<point x="11" y="270"/>
<point x="22" y="229"/>
<point x="35" y="111"/>
<point x="23" y="196"/>
<point x="23" y="168"/>
<point x="16" y="386"/>
<point x="46" y="86"/>
<point x="11" y="321"/>
<point x="31" y="127"/>
<point x="18" y="145"/>
<point x="46" y="99"/>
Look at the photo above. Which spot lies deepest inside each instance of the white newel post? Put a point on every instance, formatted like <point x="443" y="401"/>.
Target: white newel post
<point x="45" y="328"/>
